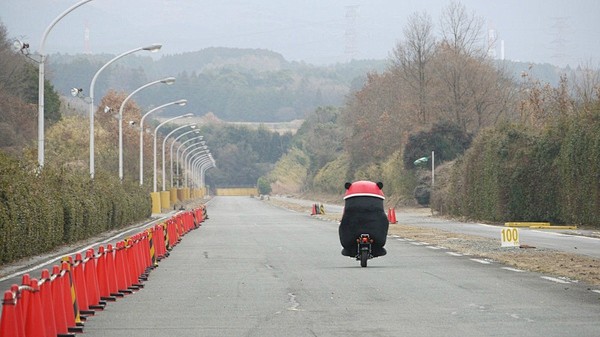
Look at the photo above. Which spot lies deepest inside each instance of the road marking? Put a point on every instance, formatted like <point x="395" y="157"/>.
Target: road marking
<point x="480" y="261"/>
<point x="401" y="240"/>
<point x="454" y="254"/>
<point x="554" y="279"/>
<point x="294" y="303"/>
<point x="433" y="247"/>
<point x="416" y="243"/>
<point x="513" y="269"/>
<point x="596" y="291"/>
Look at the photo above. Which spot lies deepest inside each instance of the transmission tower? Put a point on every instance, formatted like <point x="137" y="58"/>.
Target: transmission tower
<point x="351" y="34"/>
<point x="560" y="43"/>
<point x="86" y="39"/>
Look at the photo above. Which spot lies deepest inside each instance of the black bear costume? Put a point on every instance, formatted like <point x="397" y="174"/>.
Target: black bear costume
<point x="363" y="214"/>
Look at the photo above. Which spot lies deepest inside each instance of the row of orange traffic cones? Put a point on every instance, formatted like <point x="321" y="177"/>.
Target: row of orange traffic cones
<point x="59" y="302"/>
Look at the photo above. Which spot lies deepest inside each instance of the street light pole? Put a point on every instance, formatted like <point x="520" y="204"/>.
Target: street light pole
<point x="187" y="148"/>
<point x="152" y="48"/>
<point x="168" y="81"/>
<point x="180" y="102"/>
<point x="41" y="80"/>
<point x="156" y="136"/>
<point x="172" y="144"/>
<point x="164" y="144"/>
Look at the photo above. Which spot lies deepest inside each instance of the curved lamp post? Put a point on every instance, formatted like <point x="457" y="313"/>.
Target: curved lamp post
<point x="180" y="102"/>
<point x="198" y="158"/>
<point x="152" y="48"/>
<point x="156" y="136"/>
<point x="41" y="80"/>
<point x="173" y="143"/>
<point x="187" y="162"/>
<point x="167" y="81"/>
<point x="164" y="144"/>
<point x="185" y="149"/>
<point x="202" y="163"/>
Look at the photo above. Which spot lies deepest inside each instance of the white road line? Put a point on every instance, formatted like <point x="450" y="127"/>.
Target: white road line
<point x="403" y="240"/>
<point x="596" y="291"/>
<point x="480" y="261"/>
<point x="513" y="269"/>
<point x="454" y="254"/>
<point x="433" y="247"/>
<point x="554" y="279"/>
<point x="415" y="243"/>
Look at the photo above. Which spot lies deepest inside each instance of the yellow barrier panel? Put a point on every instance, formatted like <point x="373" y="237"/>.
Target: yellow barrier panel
<point x="236" y="191"/>
<point x="525" y="224"/>
<point x="165" y="200"/>
<point x="174" y="198"/>
<point x="155" y="196"/>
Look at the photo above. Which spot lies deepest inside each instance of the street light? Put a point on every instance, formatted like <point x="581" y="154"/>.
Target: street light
<point x="200" y="150"/>
<point x="199" y="158"/>
<point x="180" y="102"/>
<point x="172" y="144"/>
<point x="151" y="48"/>
<point x="167" y="81"/>
<point x="201" y="146"/>
<point x="156" y="136"/>
<point x="41" y="80"/>
<point x="164" y="144"/>
<point x="179" y="148"/>
<point x="203" y="164"/>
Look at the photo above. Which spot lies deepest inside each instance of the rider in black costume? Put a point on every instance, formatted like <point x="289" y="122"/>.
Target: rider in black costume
<point x="363" y="214"/>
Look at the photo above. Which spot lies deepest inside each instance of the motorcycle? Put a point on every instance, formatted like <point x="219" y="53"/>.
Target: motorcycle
<point x="364" y="252"/>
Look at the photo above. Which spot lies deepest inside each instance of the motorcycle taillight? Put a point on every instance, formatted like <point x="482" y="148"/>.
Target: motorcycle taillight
<point x="365" y="239"/>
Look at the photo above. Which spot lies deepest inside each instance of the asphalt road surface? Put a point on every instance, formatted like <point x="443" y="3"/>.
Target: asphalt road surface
<point x="254" y="269"/>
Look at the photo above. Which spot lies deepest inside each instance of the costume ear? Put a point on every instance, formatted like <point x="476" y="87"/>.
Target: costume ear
<point x="347" y="185"/>
<point x="380" y="184"/>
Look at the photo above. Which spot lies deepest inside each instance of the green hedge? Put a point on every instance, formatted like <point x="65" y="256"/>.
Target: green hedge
<point x="512" y="173"/>
<point x="42" y="210"/>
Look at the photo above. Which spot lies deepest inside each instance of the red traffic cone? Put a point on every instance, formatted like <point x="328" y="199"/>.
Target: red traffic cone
<point x="8" y="320"/>
<point x="47" y="305"/>
<point x="35" y="323"/>
<point x="19" y="309"/>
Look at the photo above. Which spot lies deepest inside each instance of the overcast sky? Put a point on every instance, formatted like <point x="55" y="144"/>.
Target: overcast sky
<point x="314" y="31"/>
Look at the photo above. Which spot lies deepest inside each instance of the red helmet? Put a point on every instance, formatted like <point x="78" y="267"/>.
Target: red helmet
<point x="364" y="188"/>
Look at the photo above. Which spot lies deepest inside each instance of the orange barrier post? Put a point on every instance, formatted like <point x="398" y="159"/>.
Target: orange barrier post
<point x="111" y="272"/>
<point x="121" y="270"/>
<point x="8" y="320"/>
<point x="91" y="281"/>
<point x="35" y="324"/>
<point x="80" y="287"/>
<point x="72" y="313"/>
<point x="46" y="303"/>
<point x="58" y="301"/>
<point x="19" y="310"/>
<point x="25" y="281"/>
<point x="102" y="274"/>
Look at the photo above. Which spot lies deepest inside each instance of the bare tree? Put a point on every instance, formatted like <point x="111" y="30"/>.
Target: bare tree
<point x="462" y="31"/>
<point x="411" y="57"/>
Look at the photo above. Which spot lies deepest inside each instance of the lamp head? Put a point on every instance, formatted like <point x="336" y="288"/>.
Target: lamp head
<point x="153" y="48"/>
<point x="168" y="80"/>
<point x="181" y="102"/>
<point x="188" y="115"/>
<point x="76" y="92"/>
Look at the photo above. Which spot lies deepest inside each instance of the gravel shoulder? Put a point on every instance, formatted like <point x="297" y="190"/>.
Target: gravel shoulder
<point x="559" y="264"/>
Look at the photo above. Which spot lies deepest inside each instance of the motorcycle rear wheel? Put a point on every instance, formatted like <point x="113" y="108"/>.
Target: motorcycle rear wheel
<point x="364" y="256"/>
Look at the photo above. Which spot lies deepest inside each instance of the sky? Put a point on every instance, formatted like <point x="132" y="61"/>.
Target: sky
<point x="317" y="32"/>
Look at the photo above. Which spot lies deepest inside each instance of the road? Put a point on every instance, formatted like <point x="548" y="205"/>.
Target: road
<point x="563" y="240"/>
<point x="254" y="269"/>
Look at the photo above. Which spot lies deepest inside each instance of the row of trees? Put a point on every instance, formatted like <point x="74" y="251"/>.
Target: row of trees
<point x="527" y="150"/>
